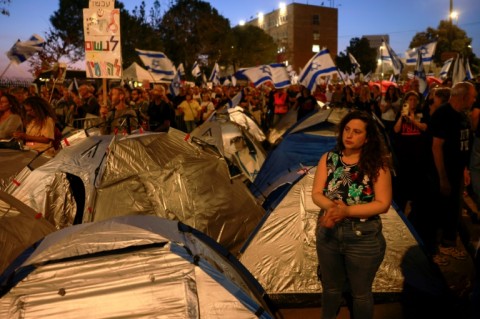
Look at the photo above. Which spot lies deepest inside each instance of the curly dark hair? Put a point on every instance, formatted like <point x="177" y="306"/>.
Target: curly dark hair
<point x="375" y="155"/>
<point x="14" y="104"/>
<point x="41" y="108"/>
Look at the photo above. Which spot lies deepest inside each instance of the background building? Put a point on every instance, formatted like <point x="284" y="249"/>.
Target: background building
<point x="300" y="30"/>
<point x="376" y="40"/>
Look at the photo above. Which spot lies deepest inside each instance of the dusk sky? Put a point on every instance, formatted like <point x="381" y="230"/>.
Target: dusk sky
<point x="400" y="19"/>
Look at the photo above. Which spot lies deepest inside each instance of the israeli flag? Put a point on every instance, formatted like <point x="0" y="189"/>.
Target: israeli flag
<point x="175" y="84"/>
<point x="214" y="77"/>
<point x="468" y="72"/>
<point x="427" y="50"/>
<point x="321" y="64"/>
<point x="389" y="56"/>
<point x="234" y="101"/>
<point x="157" y="63"/>
<point x="445" y="68"/>
<point x="181" y="69"/>
<point x="355" y="64"/>
<point x="421" y="76"/>
<point x="276" y="73"/>
<point x="196" y="72"/>
<point x="22" y="51"/>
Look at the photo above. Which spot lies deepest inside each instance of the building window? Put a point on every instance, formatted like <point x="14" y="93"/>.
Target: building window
<point x="316" y="35"/>
<point x="316" y="19"/>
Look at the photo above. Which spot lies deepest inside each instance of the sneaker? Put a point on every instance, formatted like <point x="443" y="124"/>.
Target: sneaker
<point x="453" y="252"/>
<point x="440" y="260"/>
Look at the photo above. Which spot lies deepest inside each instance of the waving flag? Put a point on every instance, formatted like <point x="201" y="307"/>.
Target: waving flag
<point x="214" y="77"/>
<point x="157" y="63"/>
<point x="320" y="64"/>
<point x="459" y="73"/>
<point x="175" y="84"/>
<point x="355" y="64"/>
<point x="468" y="72"/>
<point x="421" y="76"/>
<point x="234" y="101"/>
<point x="427" y="50"/>
<point x="22" y="51"/>
<point x="445" y="68"/>
<point x="181" y="69"/>
<point x="275" y="73"/>
<point x="390" y="57"/>
<point x="196" y="72"/>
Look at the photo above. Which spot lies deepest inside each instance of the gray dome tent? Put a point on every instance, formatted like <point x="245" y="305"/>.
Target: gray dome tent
<point x="158" y="174"/>
<point x="131" y="266"/>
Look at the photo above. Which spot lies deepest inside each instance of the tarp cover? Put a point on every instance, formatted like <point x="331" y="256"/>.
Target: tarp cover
<point x="131" y="267"/>
<point x="19" y="228"/>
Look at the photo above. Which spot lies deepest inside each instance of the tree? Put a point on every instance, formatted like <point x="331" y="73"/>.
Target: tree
<point x="3" y="8"/>
<point x="450" y="39"/>
<point x="192" y="29"/>
<point x="65" y="39"/>
<point x="363" y="53"/>
<point x="252" y="46"/>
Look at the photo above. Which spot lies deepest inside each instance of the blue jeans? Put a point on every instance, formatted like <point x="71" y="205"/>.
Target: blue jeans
<point x="349" y="255"/>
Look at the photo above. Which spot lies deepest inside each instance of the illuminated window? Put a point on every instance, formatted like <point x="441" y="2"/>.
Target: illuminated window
<point x="315" y="48"/>
<point x="316" y="35"/>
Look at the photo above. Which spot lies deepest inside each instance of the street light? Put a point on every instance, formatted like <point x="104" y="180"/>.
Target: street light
<point x="454" y="16"/>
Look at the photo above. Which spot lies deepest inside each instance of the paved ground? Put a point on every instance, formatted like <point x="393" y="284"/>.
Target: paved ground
<point x="459" y="276"/>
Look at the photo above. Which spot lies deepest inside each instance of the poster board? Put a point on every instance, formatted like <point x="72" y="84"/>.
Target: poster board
<point x="101" y="26"/>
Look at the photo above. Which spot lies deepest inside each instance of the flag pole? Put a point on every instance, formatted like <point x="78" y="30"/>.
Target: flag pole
<point x="4" y="71"/>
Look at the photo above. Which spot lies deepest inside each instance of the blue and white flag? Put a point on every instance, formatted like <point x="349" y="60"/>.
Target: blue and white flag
<point x="181" y="69"/>
<point x="214" y="77"/>
<point x="196" y="71"/>
<point x="276" y="73"/>
<point x="421" y="76"/>
<point x="389" y="56"/>
<point x="157" y="63"/>
<point x="459" y="73"/>
<point x="22" y="51"/>
<point x="445" y="68"/>
<point x="321" y="64"/>
<point x="427" y="50"/>
<point x="176" y="84"/>
<point x="468" y="72"/>
<point x="234" y="101"/>
<point x="355" y="64"/>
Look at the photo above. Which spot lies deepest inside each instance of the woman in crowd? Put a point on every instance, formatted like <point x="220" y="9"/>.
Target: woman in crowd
<point x="10" y="116"/>
<point x="352" y="186"/>
<point x="390" y="106"/>
<point x="40" y="125"/>
<point x="410" y="149"/>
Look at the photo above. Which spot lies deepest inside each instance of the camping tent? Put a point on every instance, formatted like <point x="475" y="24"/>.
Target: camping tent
<point x="136" y="73"/>
<point x="131" y="267"/>
<point x="300" y="146"/>
<point x="282" y="253"/>
<point x="222" y="129"/>
<point x="159" y="174"/>
<point x="19" y="228"/>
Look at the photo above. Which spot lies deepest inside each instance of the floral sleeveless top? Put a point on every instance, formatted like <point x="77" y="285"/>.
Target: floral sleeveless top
<point x="346" y="183"/>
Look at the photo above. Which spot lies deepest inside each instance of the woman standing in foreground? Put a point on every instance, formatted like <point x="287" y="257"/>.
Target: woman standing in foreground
<point x="352" y="186"/>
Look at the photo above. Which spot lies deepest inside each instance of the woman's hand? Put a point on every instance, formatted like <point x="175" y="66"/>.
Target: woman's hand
<point x="334" y="214"/>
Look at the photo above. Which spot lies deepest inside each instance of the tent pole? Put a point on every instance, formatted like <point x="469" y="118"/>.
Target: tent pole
<point x="4" y="71"/>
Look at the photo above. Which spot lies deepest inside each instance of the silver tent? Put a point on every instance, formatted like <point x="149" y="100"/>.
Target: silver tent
<point x="160" y="174"/>
<point x="131" y="267"/>
<point x="282" y="252"/>
<point x="20" y="227"/>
